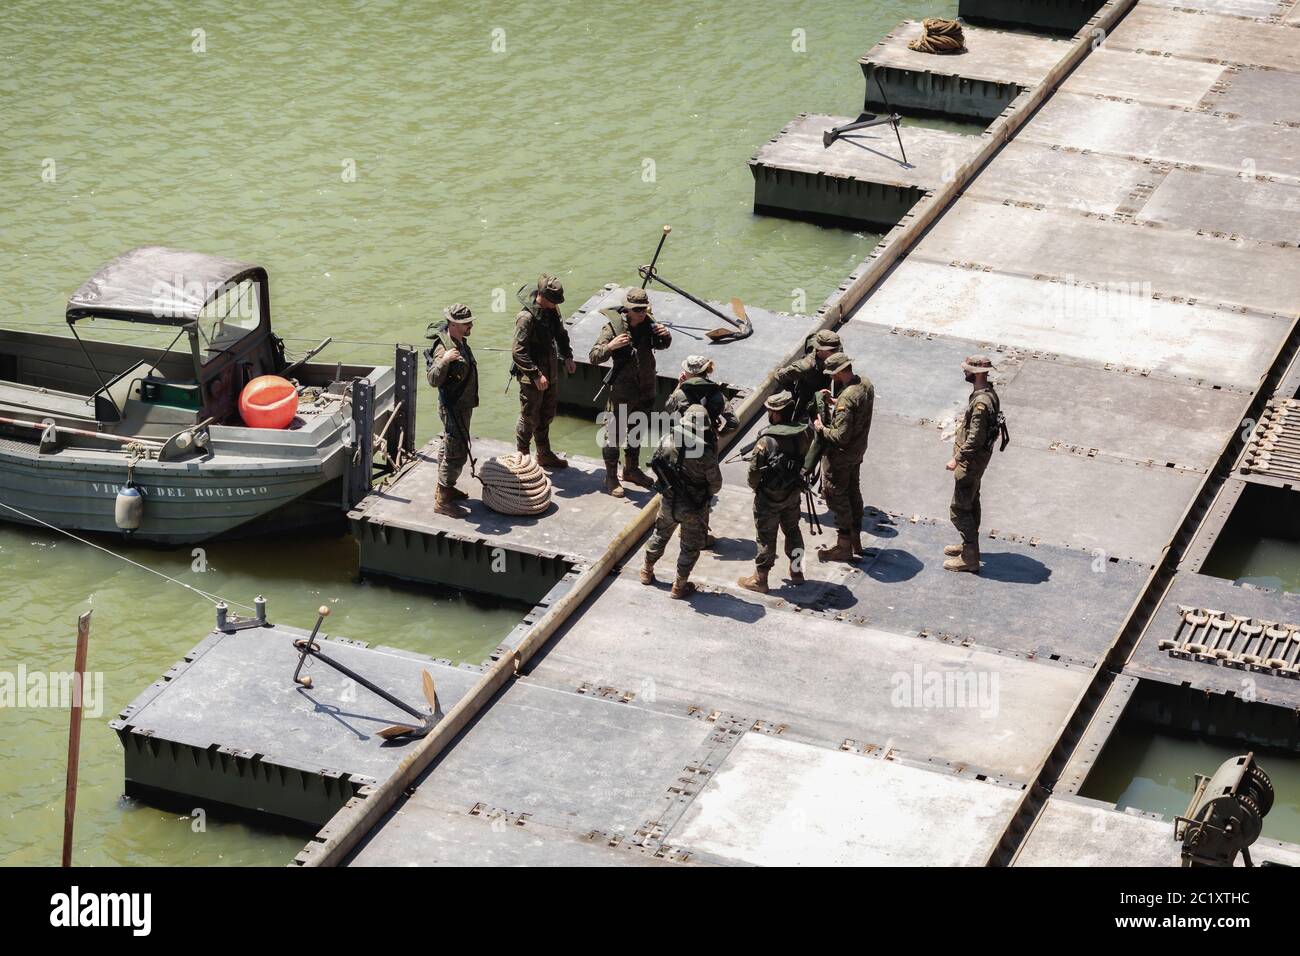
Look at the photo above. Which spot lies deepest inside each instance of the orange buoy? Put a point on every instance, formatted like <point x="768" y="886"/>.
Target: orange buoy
<point x="268" y="401"/>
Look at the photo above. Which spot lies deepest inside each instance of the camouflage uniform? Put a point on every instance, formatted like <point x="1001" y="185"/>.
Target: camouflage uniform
<point x="687" y="506"/>
<point x="777" y="497"/>
<point x="972" y="448"/>
<point x="845" y="444"/>
<point x="703" y="391"/>
<point x="806" y="377"/>
<point x="541" y="340"/>
<point x="635" y="384"/>
<point x="457" y="385"/>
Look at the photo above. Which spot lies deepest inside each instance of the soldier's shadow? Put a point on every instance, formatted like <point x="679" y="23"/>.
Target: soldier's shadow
<point x="1011" y="568"/>
<point x="726" y="604"/>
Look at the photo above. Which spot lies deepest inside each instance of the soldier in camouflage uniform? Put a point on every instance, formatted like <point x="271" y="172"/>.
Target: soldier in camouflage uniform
<point x="541" y="340"/>
<point x="694" y="387"/>
<point x="690" y="477"/>
<point x="844" y="443"/>
<point x="777" y="477"/>
<point x="806" y="377"/>
<point x="630" y="337"/>
<point x="972" y="448"/>
<point x="453" y="371"/>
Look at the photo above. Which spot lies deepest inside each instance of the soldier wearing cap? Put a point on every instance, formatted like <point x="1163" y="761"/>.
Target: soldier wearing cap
<point x="806" y="377"/>
<point x="694" y="387"/>
<point x="776" y="474"/>
<point x="972" y="448"/>
<point x="453" y="371"/>
<point x="843" y="442"/>
<point x="541" y="340"/>
<point x="689" y="475"/>
<point x="630" y="338"/>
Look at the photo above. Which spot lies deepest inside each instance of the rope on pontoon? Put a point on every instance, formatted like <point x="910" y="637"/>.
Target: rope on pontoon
<point x="939" y="36"/>
<point x="515" y="485"/>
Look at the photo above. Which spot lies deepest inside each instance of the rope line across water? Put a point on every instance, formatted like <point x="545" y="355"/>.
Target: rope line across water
<point x="206" y="595"/>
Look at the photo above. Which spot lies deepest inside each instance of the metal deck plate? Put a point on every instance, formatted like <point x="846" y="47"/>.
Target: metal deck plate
<point x="1253" y="92"/>
<point x="1124" y="510"/>
<point x="1204" y="36"/>
<point x="1031" y="242"/>
<point x="1168" y="135"/>
<point x="870" y="155"/>
<point x="456" y="836"/>
<point x="994" y="55"/>
<point x="612" y="772"/>
<point x="1234" y="8"/>
<point x="1167" y="81"/>
<point x="1042" y="601"/>
<point x="1199" y="590"/>
<point x="1074" y="831"/>
<point x="1060" y="177"/>
<point x="840" y="809"/>
<point x="1129" y="415"/>
<point x="235" y="708"/>
<point x="1216" y="346"/>
<point x="1253" y="208"/>
<point x="826" y="681"/>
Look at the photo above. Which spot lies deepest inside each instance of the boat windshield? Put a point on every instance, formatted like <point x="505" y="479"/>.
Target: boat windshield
<point x="232" y="313"/>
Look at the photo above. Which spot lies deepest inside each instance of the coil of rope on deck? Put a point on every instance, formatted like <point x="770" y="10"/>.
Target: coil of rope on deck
<point x="939" y="36"/>
<point x="515" y="485"/>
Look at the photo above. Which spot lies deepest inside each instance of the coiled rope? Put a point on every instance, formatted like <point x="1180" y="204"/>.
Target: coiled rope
<point x="515" y="485"/>
<point x="939" y="36"/>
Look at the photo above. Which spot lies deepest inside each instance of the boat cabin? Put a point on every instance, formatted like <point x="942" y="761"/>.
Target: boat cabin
<point x="220" y="310"/>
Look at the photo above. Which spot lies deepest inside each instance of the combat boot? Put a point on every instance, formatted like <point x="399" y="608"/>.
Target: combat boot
<point x="647" y="575"/>
<point x="682" y="588"/>
<point x="952" y="550"/>
<point x="612" y="487"/>
<point x="843" y="550"/>
<point x="443" y="504"/>
<point x="796" y="576"/>
<point x="968" y="560"/>
<point x="456" y="494"/>
<point x="549" y="459"/>
<point x="632" y="473"/>
<point x="755" y="582"/>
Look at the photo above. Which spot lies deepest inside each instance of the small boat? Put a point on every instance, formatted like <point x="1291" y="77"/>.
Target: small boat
<point x="105" y="437"/>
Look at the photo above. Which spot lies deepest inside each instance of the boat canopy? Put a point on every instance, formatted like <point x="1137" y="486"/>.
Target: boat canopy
<point x="161" y="286"/>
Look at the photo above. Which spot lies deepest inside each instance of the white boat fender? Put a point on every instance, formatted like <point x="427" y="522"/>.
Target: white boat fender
<point x="128" y="510"/>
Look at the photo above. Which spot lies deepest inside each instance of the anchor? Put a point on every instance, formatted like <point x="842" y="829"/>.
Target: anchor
<point x="310" y="647"/>
<point x="867" y="120"/>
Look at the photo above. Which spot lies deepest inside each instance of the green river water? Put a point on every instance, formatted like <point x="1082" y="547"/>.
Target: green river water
<point x="475" y="169"/>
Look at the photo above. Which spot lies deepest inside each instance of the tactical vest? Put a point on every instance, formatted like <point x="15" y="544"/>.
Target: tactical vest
<point x="666" y="463"/>
<point x="450" y="392"/>
<point x="541" y="340"/>
<point x="997" y="422"/>
<point x="618" y="324"/>
<point x="708" y="394"/>
<point x="782" y="471"/>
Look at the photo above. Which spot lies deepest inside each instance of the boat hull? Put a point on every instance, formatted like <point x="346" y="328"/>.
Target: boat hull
<point x="183" y="503"/>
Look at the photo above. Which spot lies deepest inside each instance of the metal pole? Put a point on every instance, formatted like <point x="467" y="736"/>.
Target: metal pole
<point x="74" y="735"/>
